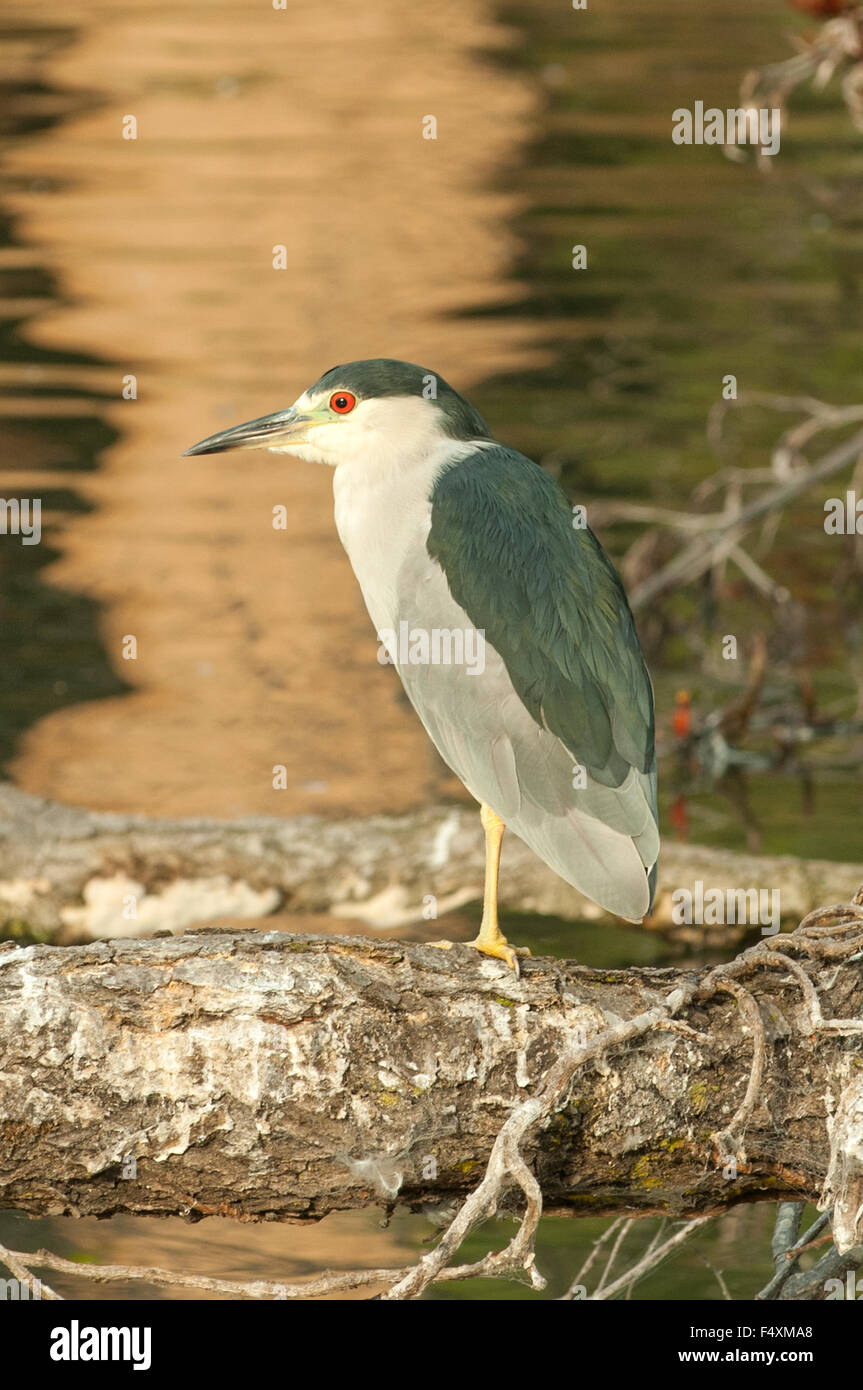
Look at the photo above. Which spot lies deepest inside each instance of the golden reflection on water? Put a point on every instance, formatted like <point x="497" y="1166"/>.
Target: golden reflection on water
<point x="256" y="128"/>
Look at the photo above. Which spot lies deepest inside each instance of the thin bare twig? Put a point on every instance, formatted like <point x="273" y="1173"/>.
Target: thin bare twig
<point x="651" y="1260"/>
<point x="700" y="554"/>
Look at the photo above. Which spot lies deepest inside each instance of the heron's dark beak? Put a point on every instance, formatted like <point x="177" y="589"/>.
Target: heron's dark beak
<point x="285" y="427"/>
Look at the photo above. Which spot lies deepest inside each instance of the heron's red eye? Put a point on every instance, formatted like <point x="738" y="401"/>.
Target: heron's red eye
<point x="342" y="402"/>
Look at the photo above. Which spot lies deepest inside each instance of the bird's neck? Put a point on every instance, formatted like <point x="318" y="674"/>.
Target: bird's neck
<point x="383" y="514"/>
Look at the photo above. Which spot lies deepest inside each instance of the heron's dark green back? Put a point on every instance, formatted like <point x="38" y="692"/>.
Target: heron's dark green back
<point x="550" y="603"/>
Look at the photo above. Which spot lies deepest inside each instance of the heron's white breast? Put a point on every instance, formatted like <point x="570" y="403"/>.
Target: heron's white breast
<point x="383" y="516"/>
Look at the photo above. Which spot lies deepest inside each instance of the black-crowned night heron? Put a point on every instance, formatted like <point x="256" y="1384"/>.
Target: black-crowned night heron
<point x="503" y="616"/>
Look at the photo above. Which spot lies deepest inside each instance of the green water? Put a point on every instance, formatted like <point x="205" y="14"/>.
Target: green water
<point x="697" y="268"/>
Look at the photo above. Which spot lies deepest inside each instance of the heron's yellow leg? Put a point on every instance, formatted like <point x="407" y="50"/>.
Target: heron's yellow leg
<point x="491" y="940"/>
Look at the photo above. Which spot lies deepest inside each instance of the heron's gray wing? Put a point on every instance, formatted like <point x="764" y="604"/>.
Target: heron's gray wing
<point x="600" y="839"/>
<point x="550" y="603"/>
<point x="565" y="682"/>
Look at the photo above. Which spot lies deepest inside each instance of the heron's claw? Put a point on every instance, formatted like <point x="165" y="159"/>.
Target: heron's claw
<point x="495" y="946"/>
<point x="499" y="949"/>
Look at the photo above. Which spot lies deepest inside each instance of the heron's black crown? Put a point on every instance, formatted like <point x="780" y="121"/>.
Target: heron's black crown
<point x="385" y="376"/>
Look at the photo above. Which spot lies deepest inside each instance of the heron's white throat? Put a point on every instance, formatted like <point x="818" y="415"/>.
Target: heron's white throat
<point x="383" y="512"/>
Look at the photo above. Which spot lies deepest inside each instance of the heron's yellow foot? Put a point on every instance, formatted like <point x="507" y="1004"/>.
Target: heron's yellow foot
<point x="495" y="944"/>
<point x="497" y="947"/>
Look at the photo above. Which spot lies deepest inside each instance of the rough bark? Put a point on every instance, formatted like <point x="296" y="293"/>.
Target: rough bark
<point x="265" y="1075"/>
<point x="69" y="873"/>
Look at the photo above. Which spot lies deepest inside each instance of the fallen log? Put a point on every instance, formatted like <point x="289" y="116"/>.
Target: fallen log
<point x="271" y="1076"/>
<point x="68" y="874"/>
